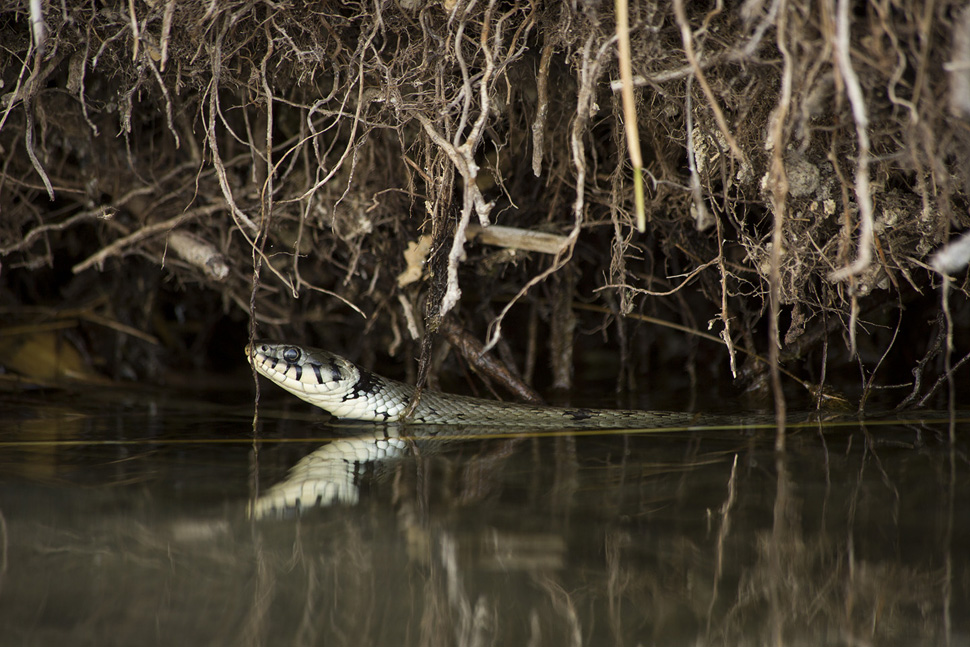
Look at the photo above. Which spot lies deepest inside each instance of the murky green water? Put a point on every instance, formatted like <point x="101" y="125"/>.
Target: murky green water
<point x="143" y="520"/>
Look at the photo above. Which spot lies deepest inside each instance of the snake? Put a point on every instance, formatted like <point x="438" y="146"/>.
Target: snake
<point x="350" y="392"/>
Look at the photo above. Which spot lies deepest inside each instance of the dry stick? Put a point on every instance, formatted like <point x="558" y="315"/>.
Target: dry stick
<point x="463" y="155"/>
<point x="258" y="254"/>
<point x="38" y="27"/>
<point x="953" y="257"/>
<point x="271" y="170"/>
<point x="948" y="357"/>
<point x="308" y="194"/>
<point x="670" y="75"/>
<point x="539" y="124"/>
<point x="474" y="352"/>
<point x="168" y="99"/>
<point x="102" y="212"/>
<point x="943" y="379"/>
<point x="119" y="327"/>
<point x="13" y="96"/>
<point x="266" y="192"/>
<point x="467" y="91"/>
<point x="630" y="109"/>
<point x="932" y="350"/>
<point x="515" y="238"/>
<point x="695" y="183"/>
<point x="867" y="387"/>
<point x="80" y="89"/>
<point x="767" y="21"/>
<point x="351" y="138"/>
<point x="200" y="253"/>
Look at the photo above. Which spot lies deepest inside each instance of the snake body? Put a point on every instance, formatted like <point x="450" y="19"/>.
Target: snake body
<point x="351" y="392"/>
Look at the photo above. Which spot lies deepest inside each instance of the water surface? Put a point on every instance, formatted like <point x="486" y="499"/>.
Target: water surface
<point x="154" y="519"/>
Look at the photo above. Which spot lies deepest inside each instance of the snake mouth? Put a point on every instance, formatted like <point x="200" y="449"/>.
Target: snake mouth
<point x="258" y="358"/>
<point x="267" y="351"/>
<point x="256" y="350"/>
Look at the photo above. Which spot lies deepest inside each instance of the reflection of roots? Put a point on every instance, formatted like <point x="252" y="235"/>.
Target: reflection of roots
<point x="805" y="151"/>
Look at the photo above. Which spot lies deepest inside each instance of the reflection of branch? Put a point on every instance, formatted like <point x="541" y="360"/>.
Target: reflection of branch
<point x="722" y="534"/>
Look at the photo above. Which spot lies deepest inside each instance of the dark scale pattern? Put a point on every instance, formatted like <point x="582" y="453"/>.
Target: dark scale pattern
<point x="335" y="372"/>
<point x="316" y="371"/>
<point x="368" y="385"/>
<point x="579" y="414"/>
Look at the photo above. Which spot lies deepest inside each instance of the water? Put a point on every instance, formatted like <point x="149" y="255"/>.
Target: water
<point x="146" y="519"/>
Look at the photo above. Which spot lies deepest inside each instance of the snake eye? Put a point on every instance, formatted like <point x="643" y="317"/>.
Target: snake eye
<point x="291" y="354"/>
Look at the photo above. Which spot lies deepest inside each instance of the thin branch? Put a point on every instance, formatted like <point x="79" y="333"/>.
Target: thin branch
<point x="145" y="232"/>
<point x="651" y="293"/>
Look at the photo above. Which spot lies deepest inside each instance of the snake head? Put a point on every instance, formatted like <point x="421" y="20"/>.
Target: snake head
<point x="303" y="371"/>
<point x="323" y="379"/>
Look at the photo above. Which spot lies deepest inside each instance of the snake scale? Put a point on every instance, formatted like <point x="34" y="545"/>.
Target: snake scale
<point x="350" y="392"/>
